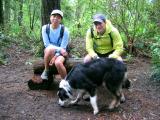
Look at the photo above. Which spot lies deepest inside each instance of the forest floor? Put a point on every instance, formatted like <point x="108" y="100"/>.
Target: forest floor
<point x="17" y="102"/>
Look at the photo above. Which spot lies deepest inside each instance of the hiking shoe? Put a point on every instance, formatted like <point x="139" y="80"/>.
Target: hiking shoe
<point x="44" y="75"/>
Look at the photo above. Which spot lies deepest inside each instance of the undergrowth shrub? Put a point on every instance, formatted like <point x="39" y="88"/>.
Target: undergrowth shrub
<point x="155" y="51"/>
<point x="4" y="43"/>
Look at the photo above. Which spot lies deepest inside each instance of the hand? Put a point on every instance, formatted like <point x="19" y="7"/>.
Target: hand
<point x="112" y="56"/>
<point x="63" y="52"/>
<point x="52" y="61"/>
<point x="96" y="57"/>
<point x="116" y="57"/>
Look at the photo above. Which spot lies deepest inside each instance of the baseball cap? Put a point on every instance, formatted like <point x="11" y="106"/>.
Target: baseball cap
<point x="99" y="18"/>
<point x="57" y="12"/>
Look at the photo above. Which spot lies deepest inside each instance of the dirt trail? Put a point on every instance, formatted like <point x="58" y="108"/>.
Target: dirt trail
<point x="17" y="102"/>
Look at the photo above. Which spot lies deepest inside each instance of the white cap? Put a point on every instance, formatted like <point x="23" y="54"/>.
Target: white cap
<point x="57" y="12"/>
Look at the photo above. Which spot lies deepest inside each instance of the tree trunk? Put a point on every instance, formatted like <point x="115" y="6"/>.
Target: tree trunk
<point x="32" y="14"/>
<point x="47" y="7"/>
<point x="20" y="14"/>
<point x="130" y="45"/>
<point x="7" y="11"/>
<point x="1" y="13"/>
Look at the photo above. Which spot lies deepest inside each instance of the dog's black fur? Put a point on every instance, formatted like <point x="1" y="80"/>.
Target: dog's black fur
<point x="88" y="76"/>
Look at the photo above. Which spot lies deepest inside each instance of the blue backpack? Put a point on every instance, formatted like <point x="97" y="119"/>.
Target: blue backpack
<point x="60" y="36"/>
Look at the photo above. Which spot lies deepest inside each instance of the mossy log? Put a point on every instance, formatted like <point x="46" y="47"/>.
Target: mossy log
<point x="38" y="66"/>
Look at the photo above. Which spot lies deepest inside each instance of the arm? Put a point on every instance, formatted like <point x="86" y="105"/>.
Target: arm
<point x="65" y="39"/>
<point x="89" y="44"/>
<point x="64" y="43"/>
<point x="46" y="41"/>
<point x="117" y="44"/>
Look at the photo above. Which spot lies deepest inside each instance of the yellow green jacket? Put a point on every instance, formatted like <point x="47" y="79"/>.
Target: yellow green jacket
<point x="103" y="45"/>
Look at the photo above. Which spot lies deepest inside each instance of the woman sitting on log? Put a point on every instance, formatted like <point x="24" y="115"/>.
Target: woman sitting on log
<point x="55" y="42"/>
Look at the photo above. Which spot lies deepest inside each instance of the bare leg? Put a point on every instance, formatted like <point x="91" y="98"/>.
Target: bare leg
<point x="60" y="66"/>
<point x="93" y="101"/>
<point x="48" y="54"/>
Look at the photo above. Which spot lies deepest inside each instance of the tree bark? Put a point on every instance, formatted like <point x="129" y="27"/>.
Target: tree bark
<point x="47" y="7"/>
<point x="7" y="11"/>
<point x="1" y="13"/>
<point x="38" y="66"/>
<point x="20" y="14"/>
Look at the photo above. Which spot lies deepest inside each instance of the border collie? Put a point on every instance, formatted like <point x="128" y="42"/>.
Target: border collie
<point x="86" y="77"/>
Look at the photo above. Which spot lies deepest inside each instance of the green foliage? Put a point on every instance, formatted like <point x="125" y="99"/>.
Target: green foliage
<point x="4" y="43"/>
<point x="137" y="20"/>
<point x="28" y="34"/>
<point x="155" y="50"/>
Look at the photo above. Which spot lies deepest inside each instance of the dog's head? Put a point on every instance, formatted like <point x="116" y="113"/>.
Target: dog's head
<point x="64" y="92"/>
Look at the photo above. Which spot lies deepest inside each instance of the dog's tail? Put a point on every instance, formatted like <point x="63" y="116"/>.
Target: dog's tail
<point x="126" y="82"/>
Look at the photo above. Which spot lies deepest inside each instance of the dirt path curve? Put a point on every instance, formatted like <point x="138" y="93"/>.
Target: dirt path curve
<point x="17" y="102"/>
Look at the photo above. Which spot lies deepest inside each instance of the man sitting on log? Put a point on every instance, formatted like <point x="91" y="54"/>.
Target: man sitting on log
<point x="55" y="38"/>
<point x="103" y="40"/>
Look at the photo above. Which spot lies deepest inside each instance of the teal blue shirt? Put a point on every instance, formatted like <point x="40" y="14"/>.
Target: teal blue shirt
<point x="54" y="35"/>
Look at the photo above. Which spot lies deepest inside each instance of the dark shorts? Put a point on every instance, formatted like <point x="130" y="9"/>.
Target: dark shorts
<point x="104" y="55"/>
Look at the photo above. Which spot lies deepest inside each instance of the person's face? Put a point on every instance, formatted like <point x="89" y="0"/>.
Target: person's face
<point x="55" y="19"/>
<point x="100" y="27"/>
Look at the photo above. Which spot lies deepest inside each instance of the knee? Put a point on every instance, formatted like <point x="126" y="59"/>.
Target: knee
<point x="58" y="63"/>
<point x="48" y="51"/>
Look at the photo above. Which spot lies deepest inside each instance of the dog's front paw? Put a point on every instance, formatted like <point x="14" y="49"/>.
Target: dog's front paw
<point x="95" y="112"/>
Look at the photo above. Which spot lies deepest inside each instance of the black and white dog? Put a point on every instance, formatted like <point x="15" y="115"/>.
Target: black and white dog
<point x="86" y="77"/>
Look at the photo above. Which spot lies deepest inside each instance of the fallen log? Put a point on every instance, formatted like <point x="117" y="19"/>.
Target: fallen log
<point x="38" y="65"/>
<point x="36" y="83"/>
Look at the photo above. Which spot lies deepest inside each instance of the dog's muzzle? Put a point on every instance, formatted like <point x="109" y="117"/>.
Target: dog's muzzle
<point x="61" y="103"/>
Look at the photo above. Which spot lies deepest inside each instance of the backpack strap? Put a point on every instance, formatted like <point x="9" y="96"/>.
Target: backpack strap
<point x="92" y="36"/>
<point x="48" y="30"/>
<point x="111" y="39"/>
<point x="61" y="32"/>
